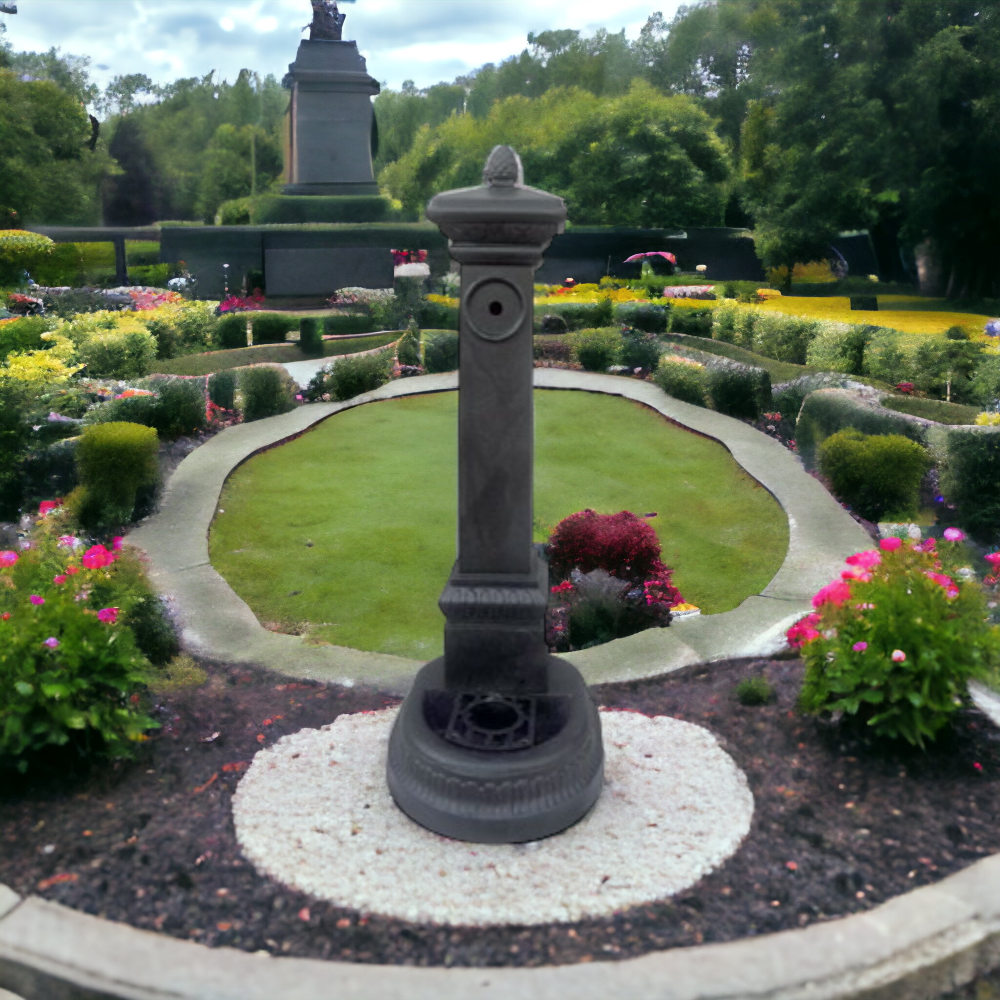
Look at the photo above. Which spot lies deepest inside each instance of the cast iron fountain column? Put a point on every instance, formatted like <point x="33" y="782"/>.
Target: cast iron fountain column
<point x="497" y="742"/>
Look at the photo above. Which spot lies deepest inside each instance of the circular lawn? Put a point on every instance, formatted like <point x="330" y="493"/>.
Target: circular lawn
<point x="347" y="534"/>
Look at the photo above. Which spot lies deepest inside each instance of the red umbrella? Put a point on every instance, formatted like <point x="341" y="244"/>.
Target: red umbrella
<point x="652" y="253"/>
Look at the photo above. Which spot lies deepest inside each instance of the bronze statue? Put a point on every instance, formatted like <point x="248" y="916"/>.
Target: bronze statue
<point x="327" y="23"/>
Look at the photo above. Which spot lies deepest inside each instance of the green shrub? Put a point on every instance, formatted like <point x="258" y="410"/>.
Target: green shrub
<point x="344" y="326"/>
<point x="985" y="388"/>
<point x="351" y="376"/>
<point x="552" y="349"/>
<point x="62" y="267"/>
<point x="784" y="338"/>
<point x="310" y="337"/>
<point x="79" y="690"/>
<point x="895" y="648"/>
<point x="117" y="469"/>
<point x="235" y="212"/>
<point x="231" y="332"/>
<point x="971" y="480"/>
<point x="272" y="328"/>
<point x="441" y="352"/>
<point x="118" y="354"/>
<point x="826" y="411"/>
<point x="742" y="291"/>
<point x="932" y="409"/>
<point x="885" y="358"/>
<point x="597" y="349"/>
<point x="48" y="471"/>
<point x="408" y="348"/>
<point x="265" y="391"/>
<point x="738" y="390"/>
<point x="180" y="405"/>
<point x="682" y="380"/>
<point x="878" y="475"/>
<point x="222" y="389"/>
<point x="19" y="335"/>
<point x="692" y="320"/>
<point x="840" y="347"/>
<point x="437" y="316"/>
<point x="552" y="325"/>
<point x="643" y="316"/>
<point x="640" y="350"/>
<point x="754" y="691"/>
<point x="578" y="315"/>
<point x="21" y="250"/>
<point x="186" y="329"/>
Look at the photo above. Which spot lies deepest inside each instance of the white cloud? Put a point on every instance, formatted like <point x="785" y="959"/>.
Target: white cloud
<point x="427" y="41"/>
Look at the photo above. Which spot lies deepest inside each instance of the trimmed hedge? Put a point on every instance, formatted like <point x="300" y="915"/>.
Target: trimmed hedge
<point x="639" y="350"/>
<point x="344" y="326"/>
<point x="177" y="408"/>
<point x="285" y="209"/>
<point x="577" y="315"/>
<point x="222" y="389"/>
<point x="682" y="381"/>
<point x="231" y="331"/>
<point x="117" y="469"/>
<point x="971" y="480"/>
<point x="118" y="354"/>
<point x="643" y="316"/>
<point x="877" y="474"/>
<point x="739" y="390"/>
<point x="265" y="391"/>
<point x="310" y="337"/>
<point x="694" y="321"/>
<point x="441" y="352"/>
<point x="435" y="315"/>
<point x="827" y="411"/>
<point x="272" y="328"/>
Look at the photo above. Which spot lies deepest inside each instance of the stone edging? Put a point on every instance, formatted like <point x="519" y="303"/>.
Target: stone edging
<point x="914" y="947"/>
<point x="218" y="624"/>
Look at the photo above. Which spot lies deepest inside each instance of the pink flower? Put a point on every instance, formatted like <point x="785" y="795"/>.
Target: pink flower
<point x="47" y="506"/>
<point x="859" y="647"/>
<point x="52" y="642"/>
<point x="927" y="545"/>
<point x="803" y="631"/>
<point x="953" y="535"/>
<point x="833" y="593"/>
<point x="8" y="558"/>
<point x="68" y="541"/>
<point x="993" y="558"/>
<point x="59" y="580"/>
<point x="898" y="656"/>
<point x="868" y="559"/>
<point x="36" y="600"/>
<point x="108" y="615"/>
<point x="942" y="581"/>
<point x="855" y="573"/>
<point x="96" y="557"/>
<point x="72" y="570"/>
<point x="118" y="539"/>
<point x="890" y="544"/>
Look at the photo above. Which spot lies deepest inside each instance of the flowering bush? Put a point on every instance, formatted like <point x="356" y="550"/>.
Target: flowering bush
<point x="69" y="667"/>
<point x="237" y="303"/>
<point x="988" y="419"/>
<point x="895" y="639"/>
<point x="689" y="292"/>
<point x="145" y="299"/>
<point x="25" y="305"/>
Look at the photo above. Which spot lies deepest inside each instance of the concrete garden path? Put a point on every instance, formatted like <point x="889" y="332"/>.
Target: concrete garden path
<point x="915" y="947"/>
<point x="216" y="623"/>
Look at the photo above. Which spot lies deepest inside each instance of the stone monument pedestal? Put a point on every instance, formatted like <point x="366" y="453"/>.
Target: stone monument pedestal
<point x="329" y="127"/>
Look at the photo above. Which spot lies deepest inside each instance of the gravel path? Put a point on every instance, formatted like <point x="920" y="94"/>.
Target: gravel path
<point x="313" y="811"/>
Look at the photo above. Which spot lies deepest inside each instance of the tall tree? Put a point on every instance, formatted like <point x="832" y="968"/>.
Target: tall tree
<point x="133" y="195"/>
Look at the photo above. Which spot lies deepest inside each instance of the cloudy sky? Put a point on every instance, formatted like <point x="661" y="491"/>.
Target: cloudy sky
<point x="423" y="40"/>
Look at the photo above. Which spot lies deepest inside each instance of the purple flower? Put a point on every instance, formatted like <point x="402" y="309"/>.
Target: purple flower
<point x="36" y="600"/>
<point x="52" y="642"/>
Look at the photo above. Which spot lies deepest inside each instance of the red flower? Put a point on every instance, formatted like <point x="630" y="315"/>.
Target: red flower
<point x="838" y="592"/>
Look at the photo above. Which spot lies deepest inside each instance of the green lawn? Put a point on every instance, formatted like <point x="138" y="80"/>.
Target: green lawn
<point x="351" y="527"/>
<point x="933" y="409"/>
<point x="217" y="361"/>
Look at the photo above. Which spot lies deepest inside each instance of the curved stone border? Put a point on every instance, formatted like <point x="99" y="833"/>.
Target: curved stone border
<point x="914" y="947"/>
<point x="218" y="624"/>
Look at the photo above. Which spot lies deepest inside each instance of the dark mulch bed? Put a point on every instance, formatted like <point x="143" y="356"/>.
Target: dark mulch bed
<point x="841" y="825"/>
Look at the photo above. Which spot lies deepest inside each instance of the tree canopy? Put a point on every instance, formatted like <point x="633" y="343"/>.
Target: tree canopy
<point x="641" y="159"/>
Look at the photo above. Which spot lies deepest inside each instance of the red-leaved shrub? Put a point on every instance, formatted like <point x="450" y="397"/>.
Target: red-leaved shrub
<point x="621" y="544"/>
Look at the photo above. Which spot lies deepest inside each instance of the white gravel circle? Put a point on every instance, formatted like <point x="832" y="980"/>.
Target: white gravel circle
<point x="313" y="811"/>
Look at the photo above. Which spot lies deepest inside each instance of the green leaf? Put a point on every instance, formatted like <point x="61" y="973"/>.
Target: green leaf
<point x="23" y="687"/>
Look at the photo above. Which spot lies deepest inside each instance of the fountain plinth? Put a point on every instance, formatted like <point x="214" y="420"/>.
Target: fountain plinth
<point x="498" y="741"/>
